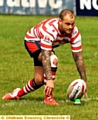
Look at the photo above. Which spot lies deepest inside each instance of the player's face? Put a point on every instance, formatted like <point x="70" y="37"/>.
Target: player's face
<point x="66" y="25"/>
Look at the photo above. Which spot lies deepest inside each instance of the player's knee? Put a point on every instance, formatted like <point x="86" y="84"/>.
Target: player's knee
<point x="54" y="61"/>
<point x="39" y="80"/>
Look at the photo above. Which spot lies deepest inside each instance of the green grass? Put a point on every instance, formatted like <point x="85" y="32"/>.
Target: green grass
<point x="16" y="68"/>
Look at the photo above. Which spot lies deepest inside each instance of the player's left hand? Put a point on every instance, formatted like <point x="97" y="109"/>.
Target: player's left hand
<point x="85" y="95"/>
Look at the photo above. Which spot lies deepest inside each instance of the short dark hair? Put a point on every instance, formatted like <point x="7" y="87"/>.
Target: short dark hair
<point x="66" y="12"/>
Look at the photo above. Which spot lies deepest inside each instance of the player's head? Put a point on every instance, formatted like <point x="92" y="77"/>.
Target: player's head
<point x="67" y="20"/>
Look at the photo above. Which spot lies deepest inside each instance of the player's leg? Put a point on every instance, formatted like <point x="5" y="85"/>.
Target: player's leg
<point x="30" y="86"/>
<point x="34" y="83"/>
<point x="40" y="79"/>
<point x="37" y="81"/>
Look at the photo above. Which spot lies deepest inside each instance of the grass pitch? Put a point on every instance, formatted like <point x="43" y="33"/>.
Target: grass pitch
<point x="16" y="68"/>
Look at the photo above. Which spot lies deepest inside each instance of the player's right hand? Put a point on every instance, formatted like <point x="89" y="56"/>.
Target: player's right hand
<point x="49" y="87"/>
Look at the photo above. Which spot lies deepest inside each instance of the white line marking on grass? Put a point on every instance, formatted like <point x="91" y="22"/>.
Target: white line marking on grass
<point x="89" y="99"/>
<point x="86" y="99"/>
<point x="8" y="104"/>
<point x="62" y="101"/>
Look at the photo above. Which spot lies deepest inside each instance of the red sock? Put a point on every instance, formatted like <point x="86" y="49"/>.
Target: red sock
<point x="29" y="87"/>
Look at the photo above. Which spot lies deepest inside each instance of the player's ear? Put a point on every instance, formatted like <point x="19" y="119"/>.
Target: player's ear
<point x="60" y="20"/>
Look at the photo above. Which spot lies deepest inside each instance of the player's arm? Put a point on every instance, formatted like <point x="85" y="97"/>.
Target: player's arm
<point x="47" y="69"/>
<point x="78" y="58"/>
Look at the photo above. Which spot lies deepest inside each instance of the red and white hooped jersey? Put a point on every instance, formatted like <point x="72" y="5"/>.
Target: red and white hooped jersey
<point x="48" y="35"/>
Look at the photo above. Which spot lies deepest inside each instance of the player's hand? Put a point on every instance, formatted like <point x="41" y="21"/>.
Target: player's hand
<point x="85" y="94"/>
<point x="49" y="87"/>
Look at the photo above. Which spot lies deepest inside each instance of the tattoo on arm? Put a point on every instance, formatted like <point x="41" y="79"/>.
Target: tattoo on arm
<point x="46" y="63"/>
<point x="80" y="64"/>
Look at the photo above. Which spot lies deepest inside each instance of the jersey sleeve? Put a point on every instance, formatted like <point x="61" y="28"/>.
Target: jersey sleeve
<point x="76" y="41"/>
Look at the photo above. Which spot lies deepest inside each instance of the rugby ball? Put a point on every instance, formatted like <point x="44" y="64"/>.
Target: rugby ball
<point x="76" y="89"/>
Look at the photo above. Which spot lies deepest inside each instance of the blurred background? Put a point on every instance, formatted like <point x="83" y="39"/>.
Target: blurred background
<point x="49" y="7"/>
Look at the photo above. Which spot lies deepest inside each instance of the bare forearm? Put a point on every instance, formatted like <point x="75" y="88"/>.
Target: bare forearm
<point x="81" y="69"/>
<point x="80" y="64"/>
<point x="46" y="63"/>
